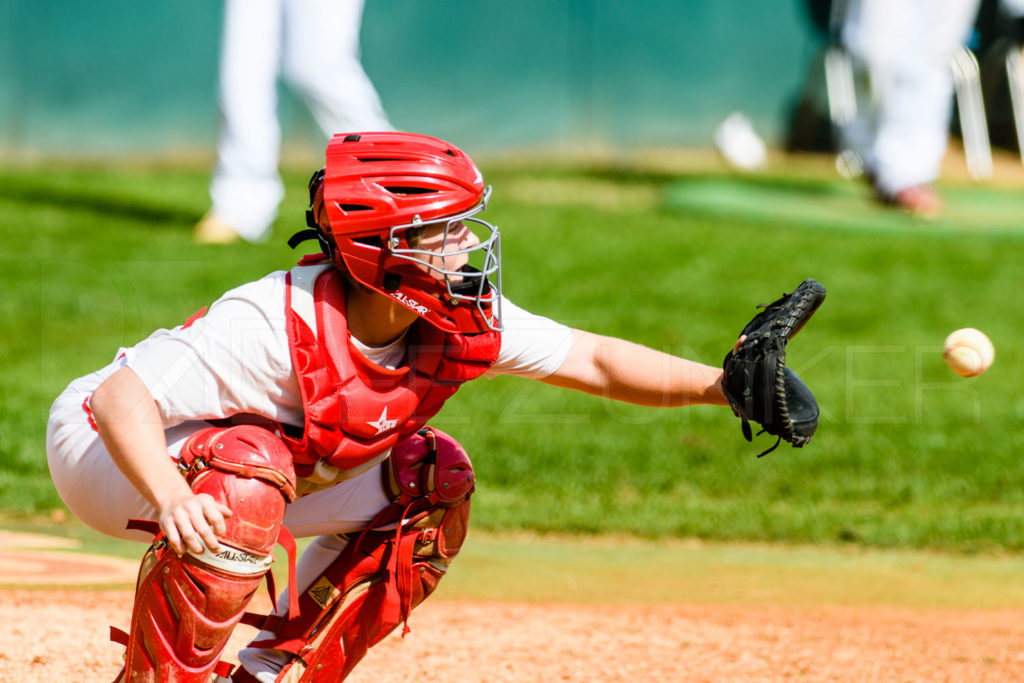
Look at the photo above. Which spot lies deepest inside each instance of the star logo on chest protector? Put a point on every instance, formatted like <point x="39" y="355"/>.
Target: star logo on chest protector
<point x="383" y="424"/>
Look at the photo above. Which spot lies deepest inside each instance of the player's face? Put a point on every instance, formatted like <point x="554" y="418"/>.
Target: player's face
<point x="447" y="245"/>
<point x="463" y="253"/>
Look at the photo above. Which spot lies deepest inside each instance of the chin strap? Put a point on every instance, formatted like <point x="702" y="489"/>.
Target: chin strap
<point x="314" y="230"/>
<point x="312" y="233"/>
<point x="471" y="286"/>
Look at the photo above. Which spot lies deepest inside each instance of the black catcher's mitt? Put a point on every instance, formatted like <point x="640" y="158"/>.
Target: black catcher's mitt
<point x="759" y="386"/>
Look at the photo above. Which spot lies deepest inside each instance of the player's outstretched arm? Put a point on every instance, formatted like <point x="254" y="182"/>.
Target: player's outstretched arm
<point x="128" y="420"/>
<point x="624" y="371"/>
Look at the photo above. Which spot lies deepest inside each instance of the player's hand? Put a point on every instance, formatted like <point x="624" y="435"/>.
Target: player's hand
<point x="192" y="522"/>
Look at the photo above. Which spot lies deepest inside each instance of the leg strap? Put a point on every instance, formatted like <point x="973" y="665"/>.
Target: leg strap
<point x="382" y="574"/>
<point x="186" y="608"/>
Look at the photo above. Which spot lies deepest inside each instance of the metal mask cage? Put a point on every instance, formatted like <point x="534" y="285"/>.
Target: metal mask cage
<point x="478" y="285"/>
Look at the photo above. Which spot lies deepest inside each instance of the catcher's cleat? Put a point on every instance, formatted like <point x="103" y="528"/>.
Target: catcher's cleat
<point x="757" y="383"/>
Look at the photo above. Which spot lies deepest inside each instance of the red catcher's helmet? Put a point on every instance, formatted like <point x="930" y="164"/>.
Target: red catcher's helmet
<point x="372" y="200"/>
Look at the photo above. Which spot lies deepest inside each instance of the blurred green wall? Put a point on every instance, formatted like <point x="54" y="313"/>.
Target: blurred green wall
<point x="81" y="77"/>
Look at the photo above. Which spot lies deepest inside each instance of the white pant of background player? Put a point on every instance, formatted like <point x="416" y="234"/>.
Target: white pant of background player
<point x="903" y="47"/>
<point x="314" y="46"/>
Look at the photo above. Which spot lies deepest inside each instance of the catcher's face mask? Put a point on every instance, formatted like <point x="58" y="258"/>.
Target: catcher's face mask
<point x="462" y="252"/>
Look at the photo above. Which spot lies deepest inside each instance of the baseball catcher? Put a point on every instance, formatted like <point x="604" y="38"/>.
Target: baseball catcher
<point x="298" y="406"/>
<point x="757" y="383"/>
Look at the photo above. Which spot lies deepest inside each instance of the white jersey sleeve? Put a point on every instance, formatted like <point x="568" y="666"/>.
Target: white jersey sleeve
<point x="235" y="359"/>
<point x="531" y="345"/>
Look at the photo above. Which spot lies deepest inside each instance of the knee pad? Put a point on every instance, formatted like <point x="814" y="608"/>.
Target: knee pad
<point x="381" y="574"/>
<point x="186" y="608"/>
<point x="248" y="469"/>
<point x="431" y="472"/>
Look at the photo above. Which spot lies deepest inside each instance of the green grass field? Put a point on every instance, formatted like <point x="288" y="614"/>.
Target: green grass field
<point x="907" y="454"/>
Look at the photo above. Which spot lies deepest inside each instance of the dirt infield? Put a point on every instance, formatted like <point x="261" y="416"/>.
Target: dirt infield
<point x="58" y="635"/>
<point x="54" y="632"/>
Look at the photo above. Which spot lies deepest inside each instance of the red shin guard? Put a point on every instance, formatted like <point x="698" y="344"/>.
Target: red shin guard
<point x="381" y="575"/>
<point x="186" y="608"/>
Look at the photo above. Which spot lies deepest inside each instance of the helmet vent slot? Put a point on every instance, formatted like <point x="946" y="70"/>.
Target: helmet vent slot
<point x="348" y="208"/>
<point x="370" y="240"/>
<point x="367" y="160"/>
<point x="408" y="189"/>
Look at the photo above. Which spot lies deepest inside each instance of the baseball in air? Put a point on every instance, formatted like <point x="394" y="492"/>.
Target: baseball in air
<point x="968" y="352"/>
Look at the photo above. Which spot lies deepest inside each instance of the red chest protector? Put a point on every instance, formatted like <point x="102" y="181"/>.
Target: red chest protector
<point x="354" y="409"/>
